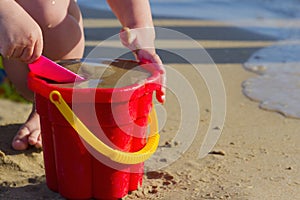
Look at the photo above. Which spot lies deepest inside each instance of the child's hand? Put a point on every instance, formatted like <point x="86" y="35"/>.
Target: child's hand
<point x="21" y="37"/>
<point x="141" y="42"/>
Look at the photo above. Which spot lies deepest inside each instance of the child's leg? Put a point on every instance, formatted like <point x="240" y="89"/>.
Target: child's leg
<point x="61" y="23"/>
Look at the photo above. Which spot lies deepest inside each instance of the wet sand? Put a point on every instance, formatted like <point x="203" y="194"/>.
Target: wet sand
<point x="257" y="156"/>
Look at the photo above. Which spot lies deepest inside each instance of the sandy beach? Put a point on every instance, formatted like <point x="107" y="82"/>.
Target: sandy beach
<point x="257" y="156"/>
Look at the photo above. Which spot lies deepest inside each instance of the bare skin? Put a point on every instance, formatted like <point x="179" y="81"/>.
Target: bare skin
<point x="53" y="42"/>
<point x="31" y="28"/>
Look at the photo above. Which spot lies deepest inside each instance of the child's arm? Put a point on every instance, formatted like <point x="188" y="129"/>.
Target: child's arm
<point x="132" y="13"/>
<point x="136" y="15"/>
<point x="138" y="32"/>
<point x="21" y="36"/>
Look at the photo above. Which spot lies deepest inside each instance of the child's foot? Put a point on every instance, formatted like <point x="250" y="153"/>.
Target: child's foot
<point x="29" y="133"/>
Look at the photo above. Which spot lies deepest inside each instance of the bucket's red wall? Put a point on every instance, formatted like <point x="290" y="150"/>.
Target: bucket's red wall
<point x="72" y="169"/>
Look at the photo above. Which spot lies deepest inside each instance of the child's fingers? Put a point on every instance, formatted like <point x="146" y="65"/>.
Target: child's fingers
<point x="146" y="57"/>
<point x="26" y="54"/>
<point x="17" y="53"/>
<point x="23" y="53"/>
<point x="37" y="51"/>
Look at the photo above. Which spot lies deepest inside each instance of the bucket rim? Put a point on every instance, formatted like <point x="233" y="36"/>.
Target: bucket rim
<point x="152" y="83"/>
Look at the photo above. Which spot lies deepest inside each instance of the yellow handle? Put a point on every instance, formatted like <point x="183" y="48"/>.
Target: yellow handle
<point x="91" y="139"/>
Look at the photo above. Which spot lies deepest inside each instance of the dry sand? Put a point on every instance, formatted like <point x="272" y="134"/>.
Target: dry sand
<point x="257" y="156"/>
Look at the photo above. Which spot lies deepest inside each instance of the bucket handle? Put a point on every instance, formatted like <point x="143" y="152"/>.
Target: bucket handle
<point x="114" y="154"/>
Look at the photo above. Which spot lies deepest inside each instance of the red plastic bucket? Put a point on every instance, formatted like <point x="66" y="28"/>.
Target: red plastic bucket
<point x="118" y="117"/>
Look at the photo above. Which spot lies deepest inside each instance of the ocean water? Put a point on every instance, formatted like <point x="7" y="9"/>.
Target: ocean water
<point x="277" y="85"/>
<point x="270" y="17"/>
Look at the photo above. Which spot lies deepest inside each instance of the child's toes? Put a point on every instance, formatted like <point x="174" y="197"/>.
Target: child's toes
<point x="20" y="141"/>
<point x="33" y="138"/>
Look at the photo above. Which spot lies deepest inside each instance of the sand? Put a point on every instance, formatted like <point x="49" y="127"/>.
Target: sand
<point x="257" y="156"/>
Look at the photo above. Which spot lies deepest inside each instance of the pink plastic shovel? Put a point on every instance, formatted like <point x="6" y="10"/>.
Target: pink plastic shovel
<point x="48" y="69"/>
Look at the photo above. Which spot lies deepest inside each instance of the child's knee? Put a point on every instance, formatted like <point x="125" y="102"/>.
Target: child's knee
<point x="47" y="14"/>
